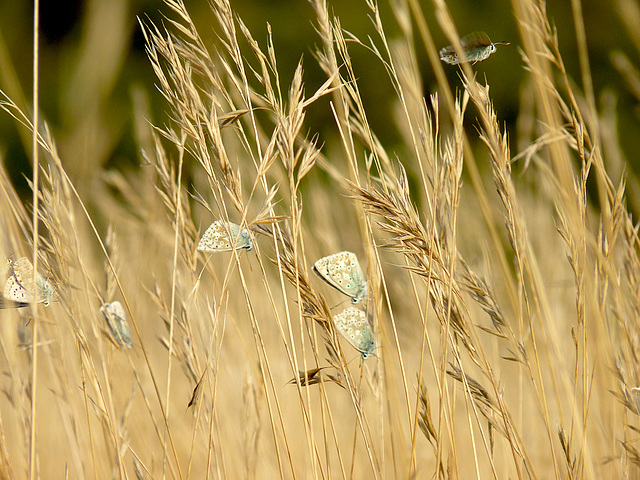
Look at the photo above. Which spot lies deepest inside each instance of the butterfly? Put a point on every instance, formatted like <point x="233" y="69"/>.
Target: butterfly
<point x="353" y="325"/>
<point x="117" y="322"/>
<point x="19" y="286"/>
<point x="222" y="236"/>
<point x="342" y="271"/>
<point x="476" y="46"/>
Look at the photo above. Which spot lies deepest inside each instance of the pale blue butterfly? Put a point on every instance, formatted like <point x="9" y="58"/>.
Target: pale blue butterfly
<point x="223" y="236"/>
<point x="353" y="325"/>
<point x="19" y="285"/>
<point x="117" y="321"/>
<point x="476" y="47"/>
<point x="342" y="271"/>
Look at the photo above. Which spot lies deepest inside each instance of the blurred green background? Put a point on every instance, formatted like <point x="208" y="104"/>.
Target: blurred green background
<point x="94" y="69"/>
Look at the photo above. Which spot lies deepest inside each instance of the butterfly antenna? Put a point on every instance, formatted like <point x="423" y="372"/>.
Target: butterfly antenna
<point x="355" y="358"/>
<point x="337" y="305"/>
<point x="373" y="354"/>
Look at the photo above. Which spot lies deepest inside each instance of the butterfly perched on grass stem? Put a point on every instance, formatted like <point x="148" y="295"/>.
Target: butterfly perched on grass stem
<point x="476" y="46"/>
<point x="20" y="287"/>
<point x="117" y="321"/>
<point x="222" y="236"/>
<point x="354" y="326"/>
<point x="342" y="271"/>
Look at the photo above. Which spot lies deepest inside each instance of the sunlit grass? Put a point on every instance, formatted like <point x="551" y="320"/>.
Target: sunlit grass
<point x="504" y="307"/>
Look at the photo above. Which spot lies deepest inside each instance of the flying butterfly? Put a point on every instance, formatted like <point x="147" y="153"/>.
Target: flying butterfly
<point x="117" y="322"/>
<point x="342" y="271"/>
<point x="353" y="325"/>
<point x="19" y="286"/>
<point x="476" y="46"/>
<point x="223" y="236"/>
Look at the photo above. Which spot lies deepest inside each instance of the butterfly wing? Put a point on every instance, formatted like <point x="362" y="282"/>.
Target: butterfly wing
<point x="223" y="237"/>
<point x="477" y="46"/>
<point x="117" y="322"/>
<point x="448" y="55"/>
<point x="14" y="291"/>
<point x="22" y="271"/>
<point x="475" y="40"/>
<point x="353" y="325"/>
<point x="342" y="271"/>
<point x="19" y="286"/>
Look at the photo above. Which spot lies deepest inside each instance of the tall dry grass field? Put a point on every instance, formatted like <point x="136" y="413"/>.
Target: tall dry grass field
<point x="505" y="308"/>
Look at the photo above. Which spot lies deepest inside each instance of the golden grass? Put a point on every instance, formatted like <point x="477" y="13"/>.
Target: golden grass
<point x="506" y="325"/>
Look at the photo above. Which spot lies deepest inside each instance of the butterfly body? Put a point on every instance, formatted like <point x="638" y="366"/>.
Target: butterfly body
<point x="476" y="46"/>
<point x="19" y="286"/>
<point x="342" y="271"/>
<point x="117" y="322"/>
<point x="222" y="236"/>
<point x="353" y="325"/>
